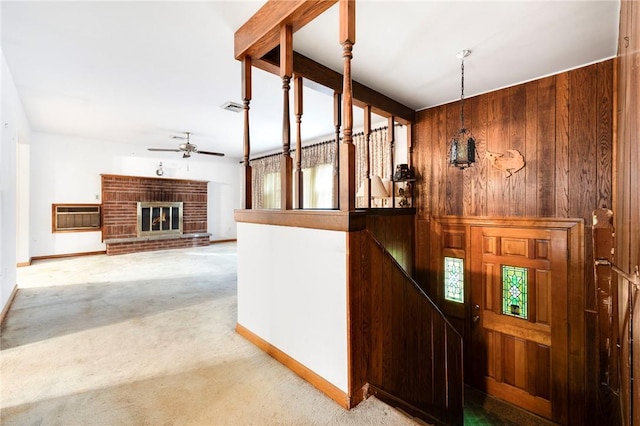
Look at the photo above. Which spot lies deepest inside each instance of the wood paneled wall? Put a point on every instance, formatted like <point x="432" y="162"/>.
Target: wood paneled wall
<point x="626" y="206"/>
<point x="563" y="125"/>
<point x="400" y="343"/>
<point x="395" y="231"/>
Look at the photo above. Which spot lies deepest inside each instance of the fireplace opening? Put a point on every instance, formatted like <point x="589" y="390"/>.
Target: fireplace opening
<point x="158" y="218"/>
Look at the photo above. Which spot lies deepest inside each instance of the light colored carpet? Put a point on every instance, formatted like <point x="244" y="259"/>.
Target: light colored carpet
<point x="148" y="339"/>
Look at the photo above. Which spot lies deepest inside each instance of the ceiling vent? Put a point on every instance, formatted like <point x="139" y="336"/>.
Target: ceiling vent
<point x="231" y="106"/>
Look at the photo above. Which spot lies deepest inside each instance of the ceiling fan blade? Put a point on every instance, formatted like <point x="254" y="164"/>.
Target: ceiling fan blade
<point x="163" y="149"/>
<point x="219" y="154"/>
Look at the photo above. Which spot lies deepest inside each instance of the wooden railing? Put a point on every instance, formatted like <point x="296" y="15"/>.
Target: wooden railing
<point x="411" y="355"/>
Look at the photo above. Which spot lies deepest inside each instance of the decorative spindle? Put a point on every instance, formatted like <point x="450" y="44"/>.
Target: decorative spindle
<point x="297" y="110"/>
<point x="246" y="99"/>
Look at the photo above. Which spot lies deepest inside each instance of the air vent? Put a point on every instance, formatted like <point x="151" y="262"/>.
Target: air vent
<point x="231" y="106"/>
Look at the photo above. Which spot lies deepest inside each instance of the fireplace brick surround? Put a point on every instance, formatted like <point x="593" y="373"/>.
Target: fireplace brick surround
<point x="120" y="197"/>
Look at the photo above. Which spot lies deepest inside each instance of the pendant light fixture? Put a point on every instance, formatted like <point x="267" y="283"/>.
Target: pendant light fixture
<point x="462" y="150"/>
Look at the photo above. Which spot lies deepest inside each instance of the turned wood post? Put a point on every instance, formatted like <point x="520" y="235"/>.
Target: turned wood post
<point x="367" y="154"/>
<point x="286" y="71"/>
<point x="347" y="149"/>
<point x="337" y="115"/>
<point x="391" y="133"/>
<point x="246" y="99"/>
<point x="297" y="110"/>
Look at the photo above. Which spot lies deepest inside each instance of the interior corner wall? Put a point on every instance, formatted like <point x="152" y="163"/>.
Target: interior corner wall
<point x="15" y="129"/>
<point x="66" y="169"/>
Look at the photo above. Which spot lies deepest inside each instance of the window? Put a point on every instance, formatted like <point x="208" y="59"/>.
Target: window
<point x="514" y="291"/>
<point x="318" y="187"/>
<point x="271" y="191"/>
<point x="454" y="279"/>
<point x="75" y="217"/>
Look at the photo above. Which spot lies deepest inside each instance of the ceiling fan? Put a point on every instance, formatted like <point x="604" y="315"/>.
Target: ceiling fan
<point x="187" y="148"/>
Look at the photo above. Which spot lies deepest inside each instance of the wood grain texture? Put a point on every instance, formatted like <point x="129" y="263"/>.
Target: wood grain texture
<point x="563" y="126"/>
<point x="626" y="207"/>
<point x="261" y="32"/>
<point x="418" y="368"/>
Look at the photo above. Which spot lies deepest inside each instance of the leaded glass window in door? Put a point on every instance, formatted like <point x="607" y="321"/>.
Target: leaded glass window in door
<point x="454" y="279"/>
<point x="514" y="291"/>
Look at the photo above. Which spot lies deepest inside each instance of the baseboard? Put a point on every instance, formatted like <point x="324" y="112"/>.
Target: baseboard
<point x="403" y="406"/>
<point x="8" y="305"/>
<point x="23" y="264"/>
<point x="232" y="240"/>
<point x="317" y="381"/>
<point x="60" y="256"/>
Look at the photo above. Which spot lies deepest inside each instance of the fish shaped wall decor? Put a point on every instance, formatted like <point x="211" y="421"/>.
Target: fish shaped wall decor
<point x="510" y="163"/>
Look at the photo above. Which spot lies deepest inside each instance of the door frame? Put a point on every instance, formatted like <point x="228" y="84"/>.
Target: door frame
<point x="576" y="293"/>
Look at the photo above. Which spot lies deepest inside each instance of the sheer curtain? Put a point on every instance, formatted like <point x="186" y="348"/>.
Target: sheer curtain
<point x="380" y="157"/>
<point x="266" y="182"/>
<point x="318" y="163"/>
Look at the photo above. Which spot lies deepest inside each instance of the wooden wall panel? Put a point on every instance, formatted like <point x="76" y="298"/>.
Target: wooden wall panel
<point x="564" y="127"/>
<point x="626" y="207"/>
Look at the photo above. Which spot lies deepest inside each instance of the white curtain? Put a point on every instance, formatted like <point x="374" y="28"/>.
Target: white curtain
<point x="318" y="166"/>
<point x="379" y="158"/>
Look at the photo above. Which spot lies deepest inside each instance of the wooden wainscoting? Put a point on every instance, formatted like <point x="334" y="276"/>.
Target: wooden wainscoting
<point x="402" y="344"/>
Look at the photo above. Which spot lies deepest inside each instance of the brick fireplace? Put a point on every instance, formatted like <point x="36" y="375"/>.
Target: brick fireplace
<point x="145" y="214"/>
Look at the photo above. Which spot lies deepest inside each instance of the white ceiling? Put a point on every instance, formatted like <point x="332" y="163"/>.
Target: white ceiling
<point x="140" y="72"/>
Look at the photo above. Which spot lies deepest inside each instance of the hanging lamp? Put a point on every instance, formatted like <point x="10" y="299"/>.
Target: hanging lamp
<point x="462" y="149"/>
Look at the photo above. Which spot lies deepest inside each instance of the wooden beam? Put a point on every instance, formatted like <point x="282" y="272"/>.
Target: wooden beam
<point x="362" y="95"/>
<point x="261" y="32"/>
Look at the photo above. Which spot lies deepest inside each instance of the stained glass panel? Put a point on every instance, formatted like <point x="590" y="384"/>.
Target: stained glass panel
<point x="454" y="279"/>
<point x="514" y="291"/>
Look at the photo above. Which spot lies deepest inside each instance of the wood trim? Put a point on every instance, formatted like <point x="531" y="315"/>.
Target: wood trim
<point x="538" y="333"/>
<point x="332" y="220"/>
<point x="230" y="240"/>
<point x="261" y="32"/>
<point x="310" y="376"/>
<point x="60" y="256"/>
<point x="6" y="307"/>
<point x="537" y="405"/>
<point x="381" y="105"/>
<point x="151" y="178"/>
<point x="23" y="264"/>
<point x="404" y="406"/>
<point x="522" y="222"/>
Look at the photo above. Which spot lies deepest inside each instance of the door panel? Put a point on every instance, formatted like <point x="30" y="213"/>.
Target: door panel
<point x="519" y="327"/>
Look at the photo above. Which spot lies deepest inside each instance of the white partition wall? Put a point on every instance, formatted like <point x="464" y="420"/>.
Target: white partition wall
<point x="292" y="293"/>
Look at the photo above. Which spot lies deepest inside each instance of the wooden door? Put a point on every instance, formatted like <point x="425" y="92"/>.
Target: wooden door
<point x="519" y="328"/>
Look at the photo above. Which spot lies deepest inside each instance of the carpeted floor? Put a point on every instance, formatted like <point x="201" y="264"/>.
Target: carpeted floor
<point x="148" y="339"/>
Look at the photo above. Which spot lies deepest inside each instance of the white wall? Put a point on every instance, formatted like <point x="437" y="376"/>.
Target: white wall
<point x="15" y="128"/>
<point x="66" y="169"/>
<point x="292" y="293"/>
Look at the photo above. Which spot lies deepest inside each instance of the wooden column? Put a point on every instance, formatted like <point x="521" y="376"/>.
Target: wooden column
<point x="367" y="154"/>
<point x="391" y="135"/>
<point x="297" y="110"/>
<point x="337" y="115"/>
<point x="347" y="149"/>
<point x="286" y="71"/>
<point x="246" y="99"/>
